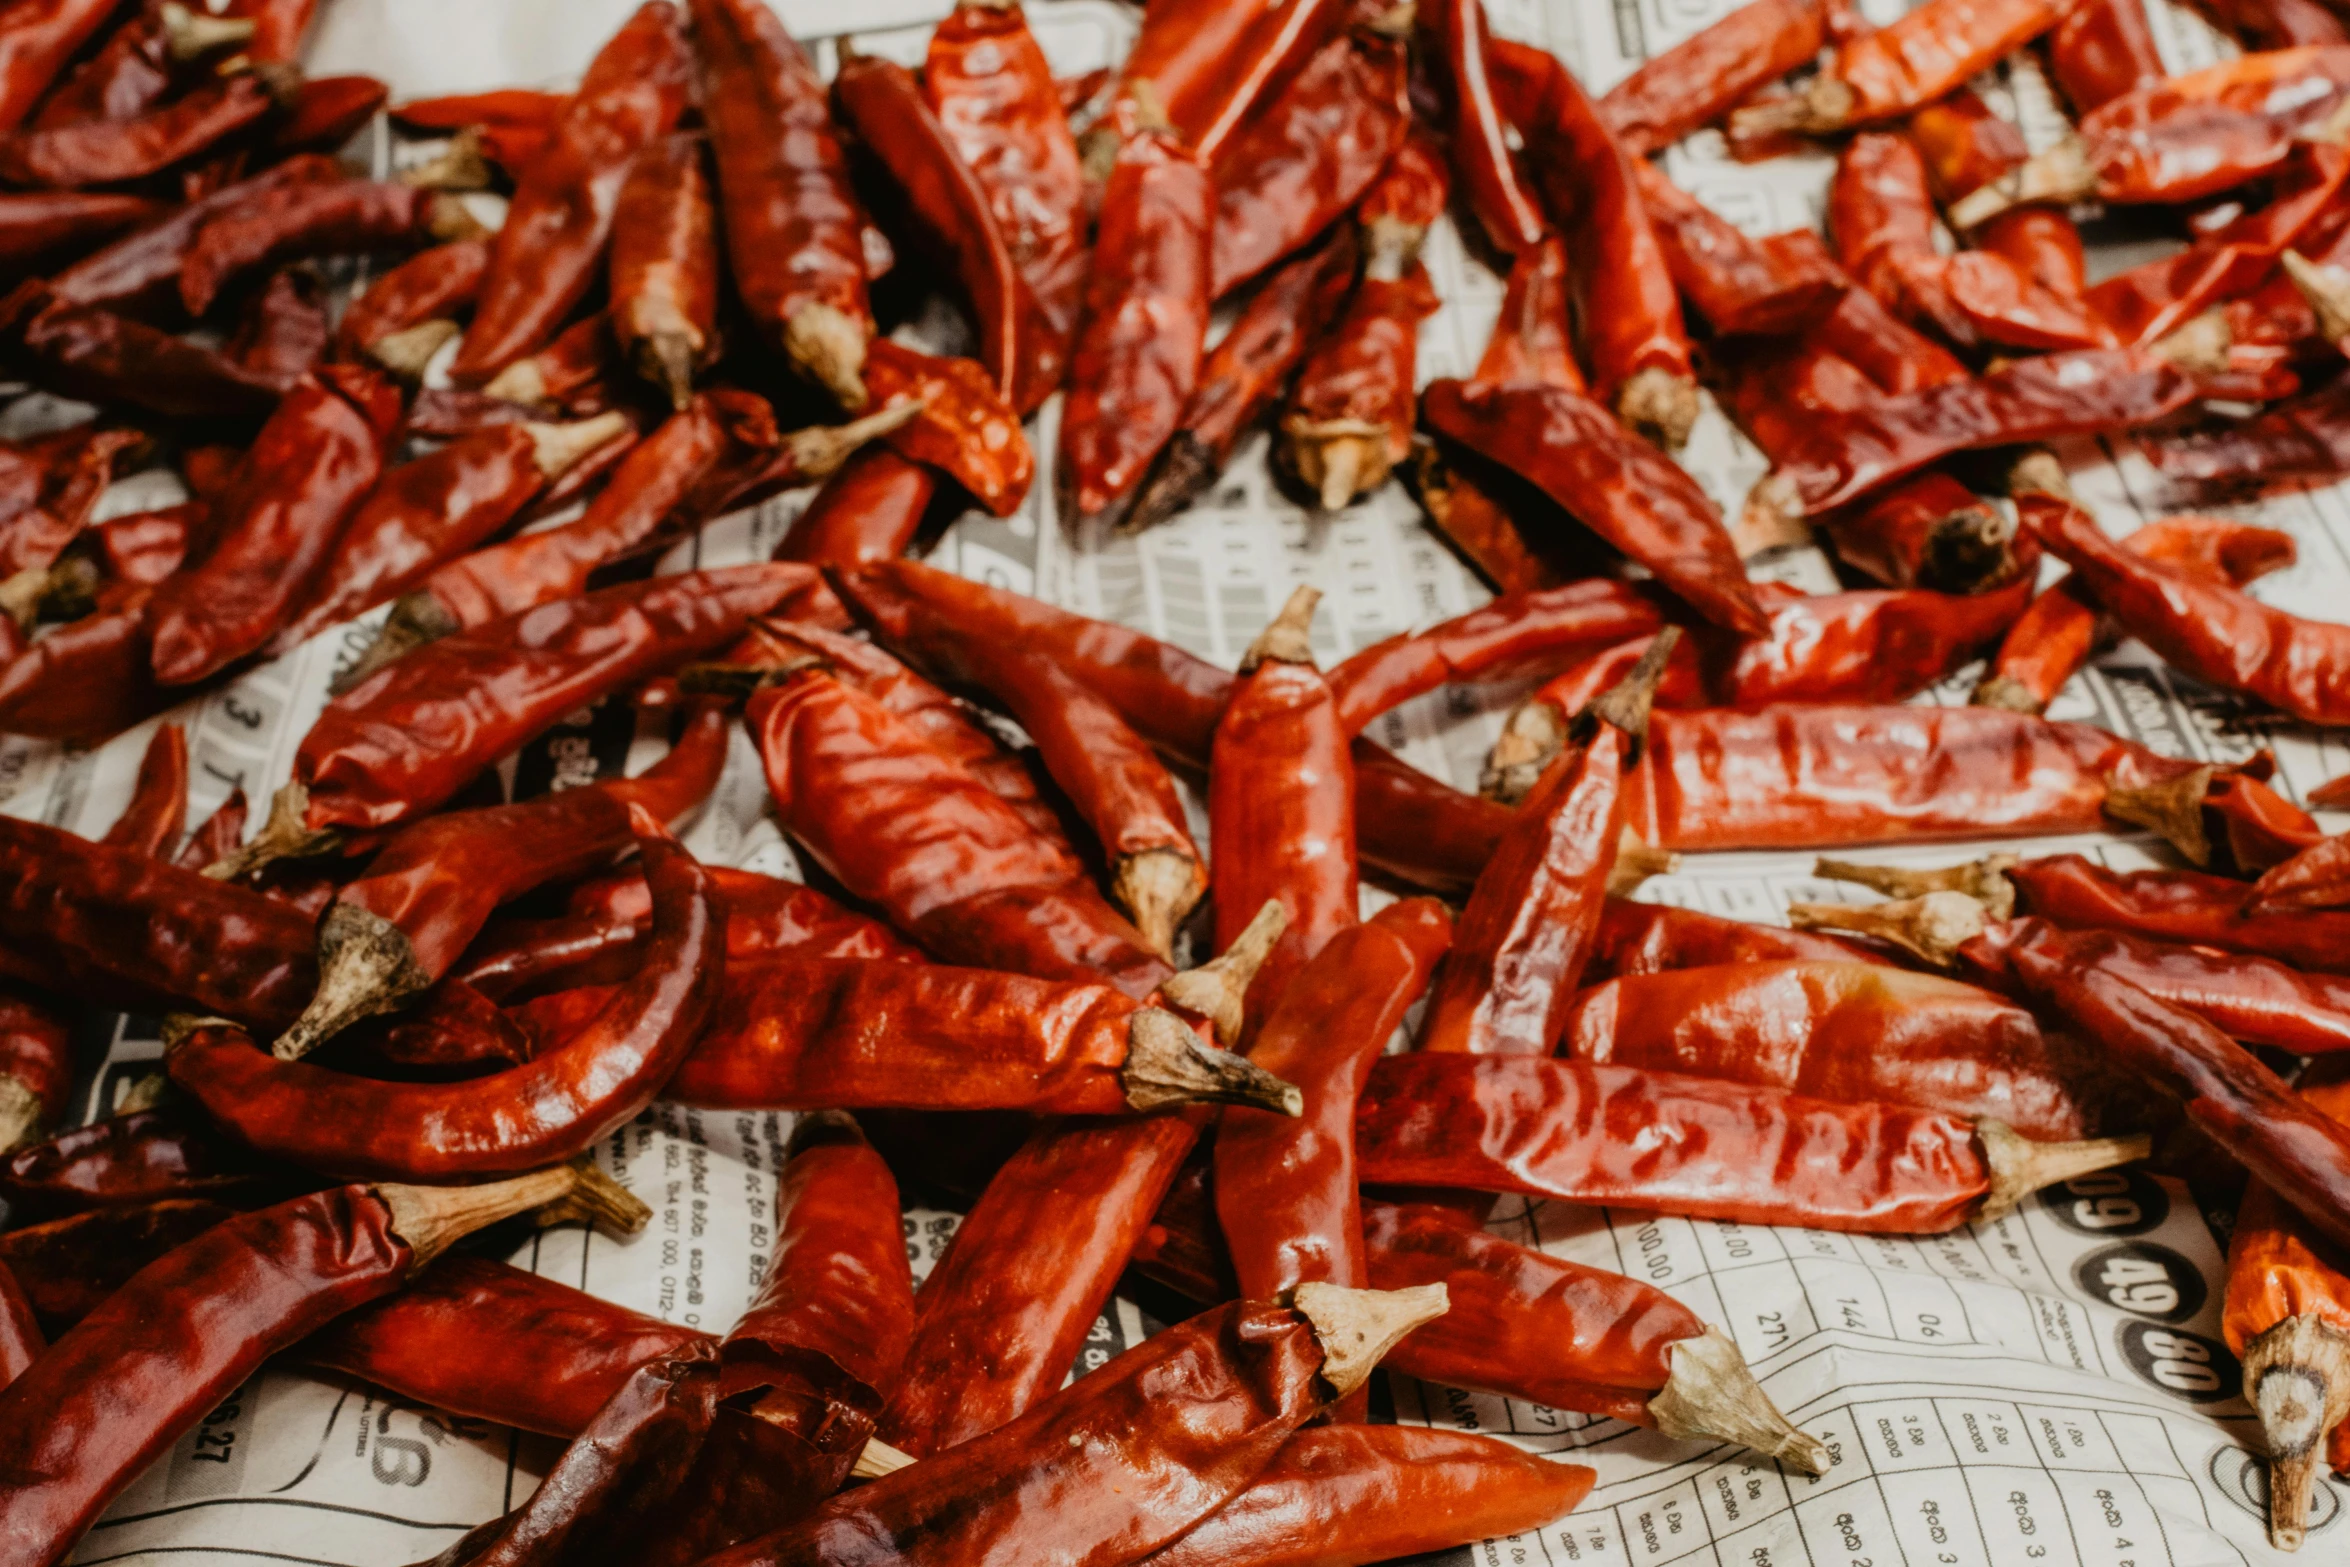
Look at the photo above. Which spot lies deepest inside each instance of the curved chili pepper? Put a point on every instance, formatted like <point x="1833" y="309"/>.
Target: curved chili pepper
<point x="664" y="290"/>
<point x="1654" y="938"/>
<point x="1867" y="646"/>
<point x="36" y="1068"/>
<point x="1212" y="67"/>
<point x="2189" y="907"/>
<point x="1292" y="171"/>
<point x="133" y="68"/>
<point x="1737" y="284"/>
<point x="429" y="286"/>
<point x="123" y="1161"/>
<point x="67" y="1267"/>
<point x="545" y="258"/>
<point x="515" y="108"/>
<point x="1553" y="1332"/>
<point x="1533" y="337"/>
<point x="87" y="680"/>
<point x="39" y="228"/>
<point x="1138" y="351"/>
<point x="573" y="371"/>
<point x="123" y="1384"/>
<point x="1457" y="37"/>
<point x="49" y="486"/>
<point x="35" y="43"/>
<point x="2100" y="51"/>
<point x="284" y="329"/>
<point x="1712" y="1150"/>
<point x="418" y="730"/>
<point x="2274" y="24"/>
<point x="1379" y="1493"/>
<point x="139" y="273"/>
<point x="158" y="807"/>
<point x="1705" y="75"/>
<point x="1929" y="531"/>
<point x="2310" y="879"/>
<point x="958" y="425"/>
<point x="1243" y="375"/>
<point x="326" y="112"/>
<point x="869" y="510"/>
<point x="992" y="90"/>
<point x="107" y="152"/>
<point x="794" y="233"/>
<point x="1621" y="488"/>
<point x="321" y="218"/>
<point x="1924" y="55"/>
<point x="102" y="357"/>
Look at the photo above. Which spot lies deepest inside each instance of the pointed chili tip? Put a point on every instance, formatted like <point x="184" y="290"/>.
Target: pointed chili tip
<point x="1356" y="1328"/>
<point x="20" y="1114"/>
<point x="286" y="835"/>
<point x="878" y="1458"/>
<point x="463" y="165"/>
<point x="1626" y="705"/>
<point x="828" y="344"/>
<point x="1933" y="926"/>
<point x="366" y="965"/>
<point x="1712" y="1395"/>
<point x="1168" y="1064"/>
<point x="2297" y="1378"/>
<point x="2172" y="810"/>
<point x="1287" y="637"/>
<point x="1183" y="469"/>
<point x="416" y="619"/>
<point x="2018" y="1166"/>
<point x="1985" y="880"/>
<point x="1157" y="888"/>
<point x="1659" y="406"/>
<point x="1218" y="990"/>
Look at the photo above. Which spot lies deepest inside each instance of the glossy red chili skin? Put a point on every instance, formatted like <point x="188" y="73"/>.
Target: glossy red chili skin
<point x="420" y="729"/>
<point x="1285" y="1186"/>
<point x="1655" y="938"/>
<point x="1610" y="481"/>
<point x="21" y="1342"/>
<point x="325" y="218"/>
<point x="1534" y="337"/>
<point x="49" y="487"/>
<point x="965" y="429"/>
<point x="548" y="253"/>
<point x="1874" y="645"/>
<point x="664" y="275"/>
<point x="1457" y="37"/>
<point x="2207" y="131"/>
<point x="102" y="357"/>
<point x="39" y="228"/>
<point x="124" y="76"/>
<point x="794" y="234"/>
<point x="1364" y="368"/>
<point x="429" y="285"/>
<point x="1525" y="1324"/>
<point x="480" y="1338"/>
<point x="139" y="273"/>
<point x="868" y="511"/>
<point x="67" y="1267"/>
<point x="127" y="1381"/>
<point x="327" y="112"/>
<point x="85" y="681"/>
<point x="282" y="329"/>
<point x="1704" y="76"/>
<point x="2102" y="50"/>
<point x="114" y="153"/>
<point x="35" y="44"/>
<point x="1295" y="169"/>
<point x="1927" y="531"/>
<point x="36" y="1056"/>
<point x="158" y="807"/>
<point x="2179" y="906"/>
<point x="1737" y="284"/>
<point x="311" y="467"/>
<point x="1929" y="52"/>
<point x="1659" y="1141"/>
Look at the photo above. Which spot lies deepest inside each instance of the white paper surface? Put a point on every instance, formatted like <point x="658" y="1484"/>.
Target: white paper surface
<point x="2047" y="1389"/>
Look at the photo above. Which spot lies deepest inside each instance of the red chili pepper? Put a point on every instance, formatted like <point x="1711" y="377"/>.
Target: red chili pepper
<point x="1633" y="339"/>
<point x="1711" y="1150"/>
<point x="574" y="371"/>
<point x="992" y="90"/>
<point x="1868" y="646"/>
<point x="1296" y="168"/>
<point x="1379" y="1493"/>
<point x="415" y="732"/>
<point x="2102" y="50"/>
<point x="428" y="287"/>
<point x="2302" y="438"/>
<point x="794" y="233"/>
<point x="125" y="1161"/>
<point x="2190" y="907"/>
<point x="1457" y="36"/>
<point x="1704" y="76"/>
<point x="326" y="112"/>
<point x="546" y="256"/>
<point x="139" y="273"/>
<point x="961" y="427"/>
<point x="1533" y="338"/>
<point x="194" y="1325"/>
<point x="1655" y="938"/>
<point x="49" y="486"/>
<point x="102" y="357"/>
<point x="158" y="808"/>
<point x="21" y="1342"/>
<point x="36" y="1068"/>
<point x="36" y="41"/>
<point x="41" y="228"/>
<point x="1527" y="1325"/>
<point x="664" y="291"/>
<point x="521" y="107"/>
<point x="309" y="470"/>
<point x="116" y="152"/>
<point x="134" y="68"/>
<point x="322" y="218"/>
<point x="2274" y="24"/>
<point x="1137" y="354"/>
<point x="67" y="1267"/>
<point x="1928" y="531"/>
<point x="1211" y="66"/>
<point x="1926" y="54"/>
<point x="1737" y="284"/>
<point x="868" y="511"/>
<point x="1622" y="489"/>
<point x="284" y="330"/>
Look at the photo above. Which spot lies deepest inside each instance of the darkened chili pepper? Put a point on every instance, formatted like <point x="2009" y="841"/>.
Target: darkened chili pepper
<point x="21" y="1342"/>
<point x="1138" y="350"/>
<point x="1457" y="35"/>
<point x="49" y="486"/>
<point x="1655" y="938"/>
<point x="1905" y="65"/>
<point x="1553" y="1332"/>
<point x="1198" y="1411"/>
<point x="547" y="255"/>
<point x="1296" y="168"/>
<point x="418" y="730"/>
<point x="139" y="273"/>
<point x="309" y="470"/>
<point x="552" y="1108"/>
<point x="117" y="152"/>
<point x="572" y="371"/>
<point x="1710" y="1149"/>
<point x="283" y="330"/>
<point x="321" y="218"/>
<point x="961" y="427"/>
<point x="158" y="806"/>
<point x="2274" y="24"/>
<point x="2298" y="1151"/>
<point x="124" y="1160"/>
<point x="39" y="228"/>
<point x="2307" y="437"/>
<point x="429" y="286"/>
<point x="35" y="43"/>
<point x="1378" y="1493"/>
<point x="1737" y="284"/>
<point x="1634" y="343"/>
<point x="36" y="1068"/>
<point x="1927" y="531"/>
<point x="1243" y="375"/>
<point x="134" y="67"/>
<point x="1703" y="77"/>
<point x="326" y="112"/>
<point x="220" y="833"/>
<point x="97" y="355"/>
<point x="664" y="290"/>
<point x="87" y="680"/>
<point x="2101" y="50"/>
<point x="992" y="90"/>
<point x="68" y="1266"/>
<point x="794" y="233"/>
<point x="425" y="512"/>
<point x="1349" y="419"/>
<point x="131" y="1377"/>
<point x="2191" y="907"/>
<point x="1622" y="489"/>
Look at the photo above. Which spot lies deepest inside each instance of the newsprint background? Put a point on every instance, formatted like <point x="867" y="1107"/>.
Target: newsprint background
<point x="2044" y="1391"/>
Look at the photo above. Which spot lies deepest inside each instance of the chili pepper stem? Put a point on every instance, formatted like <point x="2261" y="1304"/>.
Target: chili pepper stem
<point x="1530" y="741"/>
<point x="1338" y="459"/>
<point x="365" y="966"/>
<point x="1712" y="1396"/>
<point x="1933" y="926"/>
<point x="2297" y="1376"/>
<point x="20" y="1114"/>
<point x="145" y="1093"/>
<point x="286" y="835"/>
<point x="2008" y="694"/>
<point x="460" y="166"/>
<point x="524" y="381"/>
<point x="1973" y="545"/>
<point x="1168" y="1064"/>
<point x="1626" y="704"/>
<point x="407" y="352"/>
<point x="2060" y="175"/>
<point x="820" y="449"/>
<point x="416" y="619"/>
<point x="188" y="36"/>
<point x="432" y="1218"/>
<point x="1286" y="638"/>
<point x="878" y="1458"/>
<point x="2201" y="345"/>
<point x="1157" y="888"/>
<point x="448" y="220"/>
<point x="1770" y="518"/>
<point x="1824" y="104"/>
<point x="1217" y="989"/>
<point x="2171" y="810"/>
<point x="1184" y="468"/>
<point x="1659" y="406"/>
<point x="557" y="448"/>
<point x="1357" y="1328"/>
<point x="829" y="347"/>
<point x="2038" y="470"/>
<point x="1635" y="863"/>
<point x="1984" y="880"/>
<point x="2326" y="288"/>
<point x="2020" y="1166"/>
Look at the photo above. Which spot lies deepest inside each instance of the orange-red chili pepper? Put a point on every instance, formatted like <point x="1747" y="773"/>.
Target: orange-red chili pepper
<point x="2303" y="438"/>
<point x="158" y="807"/>
<point x="961" y="426"/>
<point x="319" y="218"/>
<point x="326" y="112"/>
<point x="1654" y="938"/>
<point x="1883" y="74"/>
<point x="2191" y="907"/>
<point x="1457" y="37"/>
<point x="283" y="330"/>
<point x="547" y="255"/>
<point x="2101" y="50"/>
<point x="664" y="285"/>
<point x="432" y="285"/>
<point x="36" y="41"/>
<point x="1737" y="284"/>
<point x="104" y="152"/>
<point x="42" y="228"/>
<point x="102" y="357"/>
<point x="1705" y="75"/>
<point x="2274" y="24"/>
<point x="869" y="510"/>
<point x="1211" y="66"/>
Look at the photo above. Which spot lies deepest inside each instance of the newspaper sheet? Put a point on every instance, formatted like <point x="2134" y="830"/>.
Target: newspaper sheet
<point x="2046" y="1390"/>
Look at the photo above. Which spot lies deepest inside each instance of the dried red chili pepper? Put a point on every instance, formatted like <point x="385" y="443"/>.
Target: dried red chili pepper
<point x="520" y="109"/>
<point x="1553" y="1332"/>
<point x="1376" y="1493"/>
<point x="664" y="285"/>
<point x="21" y="1342"/>
<point x="1292" y="171"/>
<point x="2220" y="819"/>
<point x="139" y="273"/>
<point x="2191" y="907"/>
<point x="2301" y="438"/>
<point x="794" y="233"/>
<point x="1212" y="67"/>
<point x="194" y="1325"/>
<point x="125" y="1160"/>
<point x="1456" y="36"/>
<point x="108" y="152"/>
<point x="1738" y="285"/>
<point x="546" y="256"/>
<point x="102" y="357"/>
<point x="1533" y="337"/>
<point x="36" y="1068"/>
<point x="427" y="288"/>
<point x="1705" y="75"/>
<point x="1928" y="531"/>
<point x="158" y="807"/>
<point x="2102" y="50"/>
<point x="320" y="218"/>
<point x="1713" y="1150"/>
<point x="418" y="730"/>
<point x="1886" y="73"/>
<point x="283" y="330"/>
<point x="1655" y="938"/>
<point x="49" y="486"/>
<point x="35" y="43"/>
<point x="869" y="510"/>
<point x="1622" y="489"/>
<point x="67" y="1267"/>
<point x="134" y="67"/>
<point x="2310" y="879"/>
<point x="572" y="371"/>
<point x="40" y="228"/>
<point x="958" y="424"/>
<point x="86" y="681"/>
<point x="326" y="112"/>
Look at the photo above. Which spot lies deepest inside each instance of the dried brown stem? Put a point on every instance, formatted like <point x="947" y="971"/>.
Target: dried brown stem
<point x="1157" y="888"/>
<point x="190" y="35"/>
<point x="1217" y="990"/>
<point x="460" y="166"/>
<point x="1286" y="638"/>
<point x="2297" y="1377"/>
<point x="2327" y="289"/>
<point x="365" y="966"/>
<point x="1626" y="704"/>
<point x="1338" y="459"/>
<point x="2172" y="810"/>
<point x="432" y="1218"/>
<point x="1635" y="863"/>
<point x="2008" y="694"/>
<point x="2060" y="175"/>
<point x="878" y="1458"/>
<point x="1357" y="1328"/>
<point x="820" y="449"/>
<point x="408" y="352"/>
<point x="1771" y="517"/>
<point x="557" y="448"/>
<point x="1659" y="406"/>
<point x="2037" y="470"/>
<point x="284" y="836"/>
<point x="1934" y="926"/>
<point x="1712" y="1396"/>
<point x="2019" y="1166"/>
<point x="1168" y="1064"/>
<point x="1984" y="880"/>
<point x="1824" y="105"/>
<point x="828" y="345"/>
<point x="20" y="1113"/>
<point x="1530" y="741"/>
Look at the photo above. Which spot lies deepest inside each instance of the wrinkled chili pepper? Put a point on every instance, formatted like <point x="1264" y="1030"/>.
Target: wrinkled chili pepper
<point x="1211" y="67"/>
<point x="87" y="680"/>
<point x="68" y="1266"/>
<point x="39" y="228"/>
<point x="1705" y="75"/>
<point x="1655" y="938"/>
<point x="102" y="357"/>
<point x="139" y="273"/>
<point x="133" y="68"/>
<point x="125" y="1160"/>
<point x="49" y="486"/>
<point x="429" y="286"/>
<point x="322" y="218"/>
<point x="2275" y="24"/>
<point x="118" y="152"/>
<point x="2191" y="907"/>
<point x="1533" y="337"/>
<point x="283" y="329"/>
<point x="1457" y="38"/>
<point x="192" y="1326"/>
<point x="1622" y="489"/>
<point x="1922" y="56"/>
<point x="277" y="523"/>
<point x="21" y="1342"/>
<point x="1927" y="531"/>
<point x="418" y="730"/>
<point x="869" y="510"/>
<point x="572" y="371"/>
<point x="36" y="1068"/>
<point x="36" y="41"/>
<point x="545" y="258"/>
<point x="2099" y="51"/>
<point x="793" y="228"/>
<point x="1553" y="1332"/>
<point x="1737" y="284"/>
<point x="326" y="112"/>
<point x="158" y="807"/>
<point x="664" y="288"/>
<point x="1714" y="1150"/>
<point x="959" y="425"/>
<point x="2310" y="879"/>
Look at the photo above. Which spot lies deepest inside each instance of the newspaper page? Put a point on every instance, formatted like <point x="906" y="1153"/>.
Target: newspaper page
<point x="2048" y="1388"/>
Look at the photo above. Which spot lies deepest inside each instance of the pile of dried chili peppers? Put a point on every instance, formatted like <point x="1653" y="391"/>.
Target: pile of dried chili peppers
<point x="406" y="1001"/>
